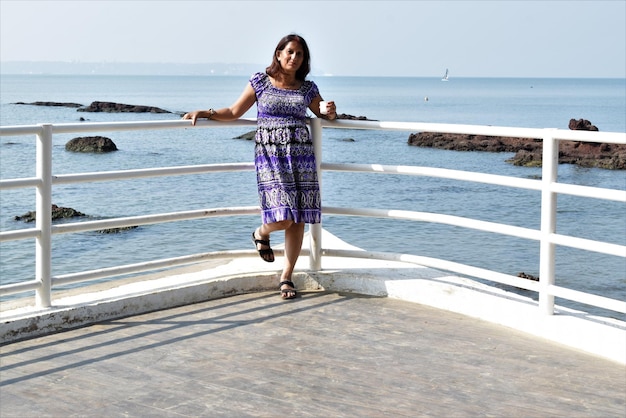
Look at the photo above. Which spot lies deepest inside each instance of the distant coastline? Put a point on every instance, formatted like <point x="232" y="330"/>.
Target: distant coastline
<point x="196" y="69"/>
<point x="124" y="68"/>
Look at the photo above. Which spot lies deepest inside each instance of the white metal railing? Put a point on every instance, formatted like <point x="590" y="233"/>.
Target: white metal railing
<point x="547" y="186"/>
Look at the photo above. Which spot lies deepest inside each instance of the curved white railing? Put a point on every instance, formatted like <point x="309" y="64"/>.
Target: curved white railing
<point x="546" y="235"/>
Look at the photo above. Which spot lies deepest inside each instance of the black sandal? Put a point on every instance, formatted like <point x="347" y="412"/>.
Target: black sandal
<point x="267" y="254"/>
<point x="285" y="292"/>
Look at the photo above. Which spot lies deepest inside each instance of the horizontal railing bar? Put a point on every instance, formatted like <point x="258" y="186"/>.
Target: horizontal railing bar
<point x="437" y="218"/>
<point x="508" y="131"/>
<point x="560" y="134"/>
<point x="497" y="228"/>
<point x="588" y="298"/>
<point x="570" y="189"/>
<point x="589" y="136"/>
<point x="19" y="234"/>
<point x="145" y="125"/>
<point x="150" y="172"/>
<point x="13" y="288"/>
<point x="152" y="219"/>
<point x="436" y="172"/>
<point x="20" y="183"/>
<point x="119" y="126"/>
<point x="439" y="264"/>
<point x="589" y="245"/>
<point x="591" y="192"/>
<point x="436" y="127"/>
<point x="18" y="130"/>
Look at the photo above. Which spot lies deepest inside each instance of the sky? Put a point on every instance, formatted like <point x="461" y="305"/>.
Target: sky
<point x="346" y="38"/>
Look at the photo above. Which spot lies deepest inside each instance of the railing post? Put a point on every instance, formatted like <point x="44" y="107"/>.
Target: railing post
<point x="43" y="245"/>
<point x="315" y="243"/>
<point x="550" y="163"/>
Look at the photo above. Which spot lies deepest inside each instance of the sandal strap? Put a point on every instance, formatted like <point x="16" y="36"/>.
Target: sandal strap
<point x="265" y="242"/>
<point x="288" y="283"/>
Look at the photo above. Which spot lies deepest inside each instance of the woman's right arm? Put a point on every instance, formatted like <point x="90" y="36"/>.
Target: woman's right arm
<point x="235" y="111"/>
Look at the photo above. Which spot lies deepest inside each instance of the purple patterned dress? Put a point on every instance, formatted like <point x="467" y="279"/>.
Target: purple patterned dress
<point x="284" y="159"/>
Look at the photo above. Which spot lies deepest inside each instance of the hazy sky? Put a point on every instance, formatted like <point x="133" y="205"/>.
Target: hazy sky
<point x="380" y="38"/>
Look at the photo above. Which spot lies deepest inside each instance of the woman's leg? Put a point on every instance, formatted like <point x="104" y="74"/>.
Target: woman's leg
<point x="294" y="233"/>
<point x="293" y="245"/>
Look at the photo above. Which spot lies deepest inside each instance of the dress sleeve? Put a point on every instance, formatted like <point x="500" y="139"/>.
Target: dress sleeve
<point x="311" y="92"/>
<point x="257" y="81"/>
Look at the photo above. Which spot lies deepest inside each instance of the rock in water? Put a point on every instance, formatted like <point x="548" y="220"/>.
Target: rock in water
<point x="581" y="125"/>
<point x="95" y="144"/>
<point x="58" y="212"/>
<point x="111" y="107"/>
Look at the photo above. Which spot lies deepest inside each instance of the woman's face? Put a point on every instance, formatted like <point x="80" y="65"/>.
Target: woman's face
<point x="291" y="57"/>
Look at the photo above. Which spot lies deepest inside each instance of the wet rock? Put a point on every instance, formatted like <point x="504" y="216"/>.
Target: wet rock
<point x="116" y="230"/>
<point x="57" y="213"/>
<point x="111" y="107"/>
<point x="96" y="144"/>
<point x="583" y="154"/>
<point x="528" y="276"/>
<point x="351" y="117"/>
<point x="581" y="125"/>
<point x="60" y="213"/>
<point x="464" y="142"/>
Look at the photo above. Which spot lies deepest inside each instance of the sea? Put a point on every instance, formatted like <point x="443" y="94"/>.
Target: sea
<point x="515" y="102"/>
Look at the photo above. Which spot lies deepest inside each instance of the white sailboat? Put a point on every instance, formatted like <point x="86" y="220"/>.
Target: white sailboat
<point x="445" y="76"/>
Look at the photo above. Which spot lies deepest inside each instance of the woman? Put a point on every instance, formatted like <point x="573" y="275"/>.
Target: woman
<point x="284" y="160"/>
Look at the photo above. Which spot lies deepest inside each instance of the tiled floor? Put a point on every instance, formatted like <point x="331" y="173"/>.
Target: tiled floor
<point x="321" y="355"/>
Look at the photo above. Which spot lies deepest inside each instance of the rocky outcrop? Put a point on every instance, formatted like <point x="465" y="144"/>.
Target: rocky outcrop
<point x="60" y="213"/>
<point x="57" y="213"/>
<point x="108" y="107"/>
<point x="111" y="107"/>
<point x="463" y="142"/>
<point x="528" y="151"/>
<point x="351" y="117"/>
<point x="96" y="144"/>
<point x="116" y="230"/>
<point x="581" y="125"/>
<point x="583" y="154"/>
<point x="528" y="276"/>
<point x="55" y="104"/>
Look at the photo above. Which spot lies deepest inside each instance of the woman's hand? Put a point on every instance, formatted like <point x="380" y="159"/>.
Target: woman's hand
<point x="329" y="112"/>
<point x="193" y="116"/>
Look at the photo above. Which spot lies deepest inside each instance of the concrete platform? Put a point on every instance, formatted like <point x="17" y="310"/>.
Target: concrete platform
<point x="325" y="354"/>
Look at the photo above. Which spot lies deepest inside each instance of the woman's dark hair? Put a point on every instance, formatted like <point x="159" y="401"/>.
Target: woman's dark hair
<point x="274" y="69"/>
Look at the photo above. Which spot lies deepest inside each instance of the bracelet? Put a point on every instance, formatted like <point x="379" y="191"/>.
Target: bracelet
<point x="211" y="113"/>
